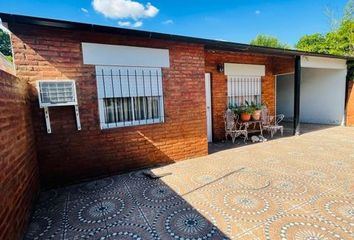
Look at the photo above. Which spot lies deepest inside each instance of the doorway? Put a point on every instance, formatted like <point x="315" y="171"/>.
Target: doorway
<point x="208" y="107"/>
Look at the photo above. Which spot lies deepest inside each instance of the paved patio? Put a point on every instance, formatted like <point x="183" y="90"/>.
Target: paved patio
<point x="288" y="188"/>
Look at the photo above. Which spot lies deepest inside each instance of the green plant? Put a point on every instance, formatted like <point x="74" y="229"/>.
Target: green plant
<point x="247" y="108"/>
<point x="268" y="41"/>
<point x="338" y="41"/>
<point x="9" y="58"/>
<point x="5" y="43"/>
<point x="234" y="108"/>
<point x="257" y="106"/>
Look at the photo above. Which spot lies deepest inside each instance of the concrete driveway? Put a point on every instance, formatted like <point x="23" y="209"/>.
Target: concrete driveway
<point x="289" y="188"/>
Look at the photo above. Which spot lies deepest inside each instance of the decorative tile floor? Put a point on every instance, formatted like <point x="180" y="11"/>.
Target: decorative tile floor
<point x="289" y="188"/>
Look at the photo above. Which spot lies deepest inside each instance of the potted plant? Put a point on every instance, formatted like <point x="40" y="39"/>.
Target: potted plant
<point x="235" y="109"/>
<point x="257" y="111"/>
<point x="246" y="113"/>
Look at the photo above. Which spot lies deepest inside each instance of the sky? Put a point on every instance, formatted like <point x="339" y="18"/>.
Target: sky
<point x="230" y="20"/>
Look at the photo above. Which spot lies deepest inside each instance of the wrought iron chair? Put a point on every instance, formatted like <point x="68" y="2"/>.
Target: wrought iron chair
<point x="232" y="126"/>
<point x="271" y="123"/>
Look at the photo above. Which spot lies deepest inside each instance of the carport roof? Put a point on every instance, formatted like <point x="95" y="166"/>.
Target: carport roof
<point x="208" y="43"/>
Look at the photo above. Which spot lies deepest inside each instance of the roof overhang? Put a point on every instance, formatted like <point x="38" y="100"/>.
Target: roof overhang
<point x="208" y="43"/>
<point x="322" y="62"/>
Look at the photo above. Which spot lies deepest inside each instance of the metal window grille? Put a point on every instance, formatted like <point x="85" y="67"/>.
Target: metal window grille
<point x="129" y="96"/>
<point x="243" y="88"/>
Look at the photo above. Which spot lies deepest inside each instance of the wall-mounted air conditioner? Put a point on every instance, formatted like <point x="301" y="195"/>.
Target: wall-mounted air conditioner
<point x="56" y="93"/>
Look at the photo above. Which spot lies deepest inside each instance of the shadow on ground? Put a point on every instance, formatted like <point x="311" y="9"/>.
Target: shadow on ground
<point x="289" y="188"/>
<point x="130" y="206"/>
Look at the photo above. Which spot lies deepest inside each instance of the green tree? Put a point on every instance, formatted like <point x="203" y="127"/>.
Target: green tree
<point x="312" y="43"/>
<point x="268" y="41"/>
<point x="5" y="43"/>
<point x="339" y="41"/>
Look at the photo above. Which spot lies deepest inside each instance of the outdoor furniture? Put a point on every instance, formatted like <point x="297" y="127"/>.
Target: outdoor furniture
<point x="251" y="126"/>
<point x="271" y="123"/>
<point x="233" y="127"/>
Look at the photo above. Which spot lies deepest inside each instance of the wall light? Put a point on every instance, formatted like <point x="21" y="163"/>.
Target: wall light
<point x="220" y="67"/>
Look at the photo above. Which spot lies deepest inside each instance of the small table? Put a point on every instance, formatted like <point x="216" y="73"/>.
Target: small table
<point x="251" y="126"/>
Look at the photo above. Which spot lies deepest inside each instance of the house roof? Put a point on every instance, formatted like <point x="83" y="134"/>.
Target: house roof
<point x="209" y="43"/>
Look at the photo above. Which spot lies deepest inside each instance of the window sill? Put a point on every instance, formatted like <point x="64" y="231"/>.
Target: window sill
<point x="112" y="126"/>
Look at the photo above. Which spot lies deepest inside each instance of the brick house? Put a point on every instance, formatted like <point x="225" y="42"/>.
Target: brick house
<point x="143" y="99"/>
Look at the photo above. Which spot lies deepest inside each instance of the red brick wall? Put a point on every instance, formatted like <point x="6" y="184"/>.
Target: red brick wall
<point x="350" y="105"/>
<point x="68" y="155"/>
<point x="219" y="81"/>
<point x="282" y="65"/>
<point x="19" y="173"/>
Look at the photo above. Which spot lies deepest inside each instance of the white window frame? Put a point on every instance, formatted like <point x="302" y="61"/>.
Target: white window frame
<point x="234" y="88"/>
<point x="101" y="107"/>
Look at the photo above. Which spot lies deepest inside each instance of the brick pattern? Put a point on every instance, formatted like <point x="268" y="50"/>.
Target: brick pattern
<point x="68" y="155"/>
<point x="219" y="81"/>
<point x="350" y="105"/>
<point x="19" y="173"/>
<point x="282" y="65"/>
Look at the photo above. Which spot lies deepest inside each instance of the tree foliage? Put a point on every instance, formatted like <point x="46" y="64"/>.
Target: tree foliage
<point x="339" y="41"/>
<point x="268" y="41"/>
<point x="5" y="43"/>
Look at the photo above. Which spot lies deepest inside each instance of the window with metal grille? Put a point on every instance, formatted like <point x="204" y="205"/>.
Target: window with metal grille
<point x="243" y="88"/>
<point x="129" y="96"/>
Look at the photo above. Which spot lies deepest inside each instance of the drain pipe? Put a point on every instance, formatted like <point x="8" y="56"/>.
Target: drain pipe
<point x="297" y="86"/>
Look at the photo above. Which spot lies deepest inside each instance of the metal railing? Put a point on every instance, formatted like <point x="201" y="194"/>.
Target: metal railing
<point x="243" y="88"/>
<point x="129" y="96"/>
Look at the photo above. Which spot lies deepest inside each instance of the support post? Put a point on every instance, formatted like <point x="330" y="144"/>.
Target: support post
<point x="297" y="85"/>
<point x="77" y="115"/>
<point x="47" y="120"/>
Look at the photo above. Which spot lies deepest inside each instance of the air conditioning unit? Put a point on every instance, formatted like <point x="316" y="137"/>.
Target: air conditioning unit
<point x="56" y="93"/>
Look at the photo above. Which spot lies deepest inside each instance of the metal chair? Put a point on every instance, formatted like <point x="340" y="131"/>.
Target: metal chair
<point x="232" y="126"/>
<point x="271" y="123"/>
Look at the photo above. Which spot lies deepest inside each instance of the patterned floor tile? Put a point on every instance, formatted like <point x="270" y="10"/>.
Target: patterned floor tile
<point x="155" y="195"/>
<point x="85" y="216"/>
<point x="118" y="207"/>
<point x="337" y="210"/>
<point x="94" y="235"/>
<point x="53" y="197"/>
<point x="47" y="222"/>
<point x="297" y="226"/>
<point x="185" y="222"/>
<point x="245" y="205"/>
<point x="288" y="188"/>
<point x="90" y="189"/>
<point x="221" y="220"/>
<point x="130" y="231"/>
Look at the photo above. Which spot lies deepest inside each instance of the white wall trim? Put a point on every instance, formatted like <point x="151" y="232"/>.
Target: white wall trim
<point x="285" y="74"/>
<point x="120" y="55"/>
<point x="4" y="26"/>
<point x="322" y="95"/>
<point x="233" y="69"/>
<point x="321" y="62"/>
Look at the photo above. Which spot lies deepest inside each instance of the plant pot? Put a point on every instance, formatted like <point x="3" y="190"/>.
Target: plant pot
<point x="257" y="115"/>
<point x="245" y="117"/>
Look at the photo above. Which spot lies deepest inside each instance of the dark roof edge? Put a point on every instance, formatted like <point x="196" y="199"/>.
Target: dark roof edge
<point x="209" y="43"/>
